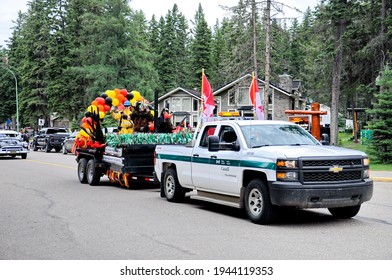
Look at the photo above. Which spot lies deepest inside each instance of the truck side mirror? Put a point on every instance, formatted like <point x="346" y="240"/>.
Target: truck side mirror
<point x="213" y="143"/>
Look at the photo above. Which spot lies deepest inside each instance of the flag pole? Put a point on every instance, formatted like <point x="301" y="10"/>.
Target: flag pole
<point x="253" y="90"/>
<point x="201" y="107"/>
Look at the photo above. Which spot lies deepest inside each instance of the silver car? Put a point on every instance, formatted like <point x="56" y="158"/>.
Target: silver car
<point x="68" y="143"/>
<point x="11" y="146"/>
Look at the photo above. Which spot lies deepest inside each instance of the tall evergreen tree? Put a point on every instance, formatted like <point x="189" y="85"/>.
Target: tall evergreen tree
<point x="201" y="48"/>
<point x="34" y="63"/>
<point x="382" y="119"/>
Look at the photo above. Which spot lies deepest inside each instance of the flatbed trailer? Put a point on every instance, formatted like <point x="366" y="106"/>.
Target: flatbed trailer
<point x="127" y="164"/>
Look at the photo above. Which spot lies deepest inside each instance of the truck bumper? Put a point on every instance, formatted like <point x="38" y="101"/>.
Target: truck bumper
<point x="320" y="196"/>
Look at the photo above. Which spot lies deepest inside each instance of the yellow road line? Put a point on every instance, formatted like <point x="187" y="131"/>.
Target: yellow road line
<point x="52" y="164"/>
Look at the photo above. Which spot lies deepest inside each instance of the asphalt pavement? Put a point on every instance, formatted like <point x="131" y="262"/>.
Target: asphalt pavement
<point x="381" y="176"/>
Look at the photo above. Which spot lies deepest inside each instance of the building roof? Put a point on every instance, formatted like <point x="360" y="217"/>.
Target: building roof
<point x="194" y="93"/>
<point x="222" y="89"/>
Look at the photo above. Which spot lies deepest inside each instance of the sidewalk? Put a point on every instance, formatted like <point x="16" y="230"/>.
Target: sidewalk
<point x="381" y="176"/>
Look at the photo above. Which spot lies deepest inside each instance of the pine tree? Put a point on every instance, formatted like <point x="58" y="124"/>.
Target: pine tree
<point x="381" y="124"/>
<point x="201" y="48"/>
<point x="34" y="61"/>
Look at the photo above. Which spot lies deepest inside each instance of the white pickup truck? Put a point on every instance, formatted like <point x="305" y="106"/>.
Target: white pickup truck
<point x="261" y="165"/>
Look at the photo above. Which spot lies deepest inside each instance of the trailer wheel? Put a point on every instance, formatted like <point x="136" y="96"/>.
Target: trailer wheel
<point x="92" y="173"/>
<point x="172" y="188"/>
<point x="344" y="212"/>
<point x="82" y="170"/>
<point x="257" y="203"/>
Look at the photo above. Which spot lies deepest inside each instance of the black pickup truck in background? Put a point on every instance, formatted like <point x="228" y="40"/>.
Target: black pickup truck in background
<point x="50" y="138"/>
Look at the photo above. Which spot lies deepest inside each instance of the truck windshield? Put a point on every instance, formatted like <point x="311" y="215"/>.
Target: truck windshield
<point x="276" y="135"/>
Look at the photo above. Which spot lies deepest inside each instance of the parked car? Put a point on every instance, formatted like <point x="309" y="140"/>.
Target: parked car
<point x="50" y="138"/>
<point x="11" y="146"/>
<point x="66" y="146"/>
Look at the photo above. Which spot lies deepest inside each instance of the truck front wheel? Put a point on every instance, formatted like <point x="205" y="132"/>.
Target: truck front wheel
<point x="82" y="170"/>
<point x="257" y="203"/>
<point x="345" y="212"/>
<point x="92" y="173"/>
<point x="172" y="188"/>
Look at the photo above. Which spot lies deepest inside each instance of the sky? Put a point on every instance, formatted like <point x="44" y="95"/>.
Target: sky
<point x="10" y="8"/>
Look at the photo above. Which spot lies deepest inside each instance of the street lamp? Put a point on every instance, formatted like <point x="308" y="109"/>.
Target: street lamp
<point x="16" y="94"/>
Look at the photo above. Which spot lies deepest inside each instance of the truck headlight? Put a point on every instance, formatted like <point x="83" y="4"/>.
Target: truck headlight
<point x="366" y="173"/>
<point x="287" y="163"/>
<point x="366" y="161"/>
<point x="287" y="176"/>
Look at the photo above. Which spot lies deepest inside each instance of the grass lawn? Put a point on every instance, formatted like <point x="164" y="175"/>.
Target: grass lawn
<point x="344" y="140"/>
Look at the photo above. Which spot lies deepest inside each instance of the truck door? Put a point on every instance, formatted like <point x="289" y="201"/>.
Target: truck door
<point x="201" y="160"/>
<point x="225" y="164"/>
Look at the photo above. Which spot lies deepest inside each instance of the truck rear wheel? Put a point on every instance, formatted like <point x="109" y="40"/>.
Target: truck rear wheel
<point x="92" y="173"/>
<point x="345" y="212"/>
<point x="172" y="188"/>
<point x="82" y="170"/>
<point x="257" y="203"/>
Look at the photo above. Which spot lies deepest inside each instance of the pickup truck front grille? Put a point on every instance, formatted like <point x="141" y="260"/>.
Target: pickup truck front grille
<point x="340" y="162"/>
<point x="332" y="177"/>
<point x="326" y="170"/>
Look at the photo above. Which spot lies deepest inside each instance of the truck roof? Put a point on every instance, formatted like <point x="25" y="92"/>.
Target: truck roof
<point x="249" y="122"/>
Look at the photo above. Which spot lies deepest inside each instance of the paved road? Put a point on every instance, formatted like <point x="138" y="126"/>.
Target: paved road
<point x="45" y="213"/>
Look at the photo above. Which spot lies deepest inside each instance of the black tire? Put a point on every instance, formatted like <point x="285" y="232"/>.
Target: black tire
<point x="64" y="150"/>
<point x="82" y="170"/>
<point x="345" y="212"/>
<point x="172" y="188"/>
<point x="24" y="156"/>
<point x="257" y="203"/>
<point x="57" y="150"/>
<point x="48" y="147"/>
<point x="35" y="148"/>
<point x="92" y="173"/>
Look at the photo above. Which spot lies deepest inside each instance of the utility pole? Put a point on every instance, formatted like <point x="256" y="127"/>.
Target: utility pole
<point x="267" y="57"/>
<point x="254" y="37"/>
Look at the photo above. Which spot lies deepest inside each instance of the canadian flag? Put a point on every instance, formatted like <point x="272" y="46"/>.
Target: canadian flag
<point x="254" y="96"/>
<point x="208" y="97"/>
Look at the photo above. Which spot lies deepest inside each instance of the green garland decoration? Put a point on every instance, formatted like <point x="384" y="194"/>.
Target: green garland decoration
<point x="115" y="141"/>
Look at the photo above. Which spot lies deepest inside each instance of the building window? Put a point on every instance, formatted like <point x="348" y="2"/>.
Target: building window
<point x="195" y="107"/>
<point x="243" y="96"/>
<point x="231" y="96"/>
<point x="238" y="96"/>
<point x="195" y="119"/>
<point x="176" y="104"/>
<point x="186" y="104"/>
<point x="218" y="104"/>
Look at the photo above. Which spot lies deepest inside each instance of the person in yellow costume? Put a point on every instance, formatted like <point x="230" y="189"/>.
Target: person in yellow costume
<point x="125" y="124"/>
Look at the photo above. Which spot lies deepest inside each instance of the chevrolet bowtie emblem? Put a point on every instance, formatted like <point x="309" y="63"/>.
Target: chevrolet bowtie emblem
<point x="336" y="169"/>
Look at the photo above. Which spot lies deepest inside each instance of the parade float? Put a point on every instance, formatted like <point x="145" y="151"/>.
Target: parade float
<point x="123" y="157"/>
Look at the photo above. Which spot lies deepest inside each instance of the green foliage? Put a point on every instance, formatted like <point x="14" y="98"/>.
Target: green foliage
<point x="382" y="119"/>
<point x="66" y="53"/>
<point x="200" y="48"/>
<point x="114" y="140"/>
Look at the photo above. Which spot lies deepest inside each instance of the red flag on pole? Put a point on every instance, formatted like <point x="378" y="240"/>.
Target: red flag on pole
<point x="254" y="96"/>
<point x="207" y="96"/>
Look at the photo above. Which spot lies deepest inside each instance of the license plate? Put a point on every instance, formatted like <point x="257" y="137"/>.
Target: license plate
<point x="13" y="152"/>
